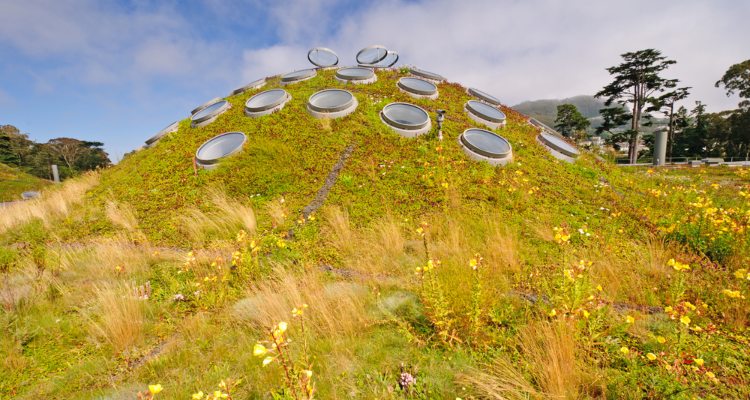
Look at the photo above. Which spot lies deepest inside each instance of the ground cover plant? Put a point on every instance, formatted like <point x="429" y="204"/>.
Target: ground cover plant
<point x="424" y="275"/>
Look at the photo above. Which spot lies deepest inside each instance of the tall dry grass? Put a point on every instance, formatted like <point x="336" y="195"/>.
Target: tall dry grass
<point x="121" y="215"/>
<point x="225" y="219"/>
<point x="335" y="308"/>
<point x="380" y="248"/>
<point x="633" y="277"/>
<point x="120" y="317"/>
<point x="52" y="204"/>
<point x="549" y="351"/>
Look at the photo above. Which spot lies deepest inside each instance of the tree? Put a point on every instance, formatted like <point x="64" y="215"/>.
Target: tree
<point x="569" y="121"/>
<point x="612" y="118"/>
<point x="665" y="103"/>
<point x="636" y="82"/>
<point x="737" y="79"/>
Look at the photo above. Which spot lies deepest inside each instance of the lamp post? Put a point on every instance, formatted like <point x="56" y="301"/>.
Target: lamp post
<point x="440" y="118"/>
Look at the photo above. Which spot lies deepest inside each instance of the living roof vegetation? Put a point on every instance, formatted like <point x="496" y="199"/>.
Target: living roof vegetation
<point x="426" y="274"/>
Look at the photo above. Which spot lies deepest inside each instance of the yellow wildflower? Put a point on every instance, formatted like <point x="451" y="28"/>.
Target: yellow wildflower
<point x="685" y="320"/>
<point x="629" y="320"/>
<point x="668" y="309"/>
<point x="599" y="287"/>
<point x="307" y="373"/>
<point x="259" y="350"/>
<point x="624" y="350"/>
<point x="154" y="389"/>
<point x="282" y="326"/>
<point x="699" y="362"/>
<point x="552" y="313"/>
<point x="198" y="396"/>
<point x="218" y="394"/>
<point x="267" y="360"/>
<point x="473" y="263"/>
<point x="710" y="375"/>
<point x="661" y="339"/>
<point x="733" y="294"/>
<point x="585" y="314"/>
<point x="651" y="356"/>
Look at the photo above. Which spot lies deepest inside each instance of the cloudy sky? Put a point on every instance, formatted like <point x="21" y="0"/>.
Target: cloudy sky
<point x="118" y="71"/>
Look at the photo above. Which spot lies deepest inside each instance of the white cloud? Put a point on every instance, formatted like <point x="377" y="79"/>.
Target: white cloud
<point x="538" y="49"/>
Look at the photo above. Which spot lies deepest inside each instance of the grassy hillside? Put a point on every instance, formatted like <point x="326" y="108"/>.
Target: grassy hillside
<point x="14" y="182"/>
<point x="424" y="275"/>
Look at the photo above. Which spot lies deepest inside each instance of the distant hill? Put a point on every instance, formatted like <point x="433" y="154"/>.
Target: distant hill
<point x="546" y="110"/>
<point x="13" y="182"/>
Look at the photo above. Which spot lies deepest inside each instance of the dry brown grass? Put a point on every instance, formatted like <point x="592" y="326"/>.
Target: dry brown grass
<point x="53" y="203"/>
<point x="122" y="215"/>
<point x="277" y="211"/>
<point x="377" y="249"/>
<point x="226" y="218"/>
<point x="499" y="380"/>
<point x="550" y="349"/>
<point x="632" y="278"/>
<point x="335" y="309"/>
<point x="119" y="318"/>
<point x="502" y="248"/>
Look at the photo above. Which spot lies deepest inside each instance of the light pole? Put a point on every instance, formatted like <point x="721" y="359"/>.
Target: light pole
<point x="440" y="118"/>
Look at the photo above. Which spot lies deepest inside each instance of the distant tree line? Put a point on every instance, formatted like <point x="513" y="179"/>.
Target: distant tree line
<point x="638" y="89"/>
<point x="72" y="156"/>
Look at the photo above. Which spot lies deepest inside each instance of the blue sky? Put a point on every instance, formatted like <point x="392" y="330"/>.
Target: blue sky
<point x="118" y="71"/>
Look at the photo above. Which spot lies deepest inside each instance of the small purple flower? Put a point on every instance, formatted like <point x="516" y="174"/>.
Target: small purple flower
<point x="406" y="380"/>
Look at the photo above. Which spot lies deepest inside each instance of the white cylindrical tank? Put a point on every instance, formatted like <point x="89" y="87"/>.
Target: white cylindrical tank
<point x="660" y="147"/>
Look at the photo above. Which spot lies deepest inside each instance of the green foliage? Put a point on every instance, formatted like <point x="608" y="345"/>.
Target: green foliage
<point x="570" y="122"/>
<point x="636" y="82"/>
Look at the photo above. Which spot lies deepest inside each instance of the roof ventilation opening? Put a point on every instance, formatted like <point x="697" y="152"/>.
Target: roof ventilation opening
<point x="406" y="119"/>
<point x="483" y="145"/>
<point x="204" y="105"/>
<point x="418" y="88"/>
<point x="484" y="96"/>
<point x="250" y="86"/>
<point x="430" y="76"/>
<point x="358" y="75"/>
<point x="371" y="55"/>
<point x="322" y="57"/>
<point x="209" y="114"/>
<point x="390" y="59"/>
<point x="558" y="147"/>
<point x="267" y="102"/>
<point x="173" y="127"/>
<point x="331" y="103"/>
<point x="485" y="114"/>
<point x="298" y="76"/>
<point x="218" y="147"/>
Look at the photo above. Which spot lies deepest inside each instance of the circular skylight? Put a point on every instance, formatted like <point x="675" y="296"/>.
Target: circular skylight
<point x="484" y="145"/>
<point x="322" y="57"/>
<point x="418" y="87"/>
<point x="204" y="105"/>
<point x="252" y="85"/>
<point x="266" y="102"/>
<point x="209" y="114"/>
<point x="218" y="147"/>
<point x="331" y="103"/>
<point x="406" y="119"/>
<point x="484" y="96"/>
<point x="427" y="74"/>
<point x="558" y="147"/>
<point x="372" y="55"/>
<point x="390" y="60"/>
<point x="356" y="75"/>
<point x="169" y="129"/>
<point x="297" y="76"/>
<point x="485" y="114"/>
